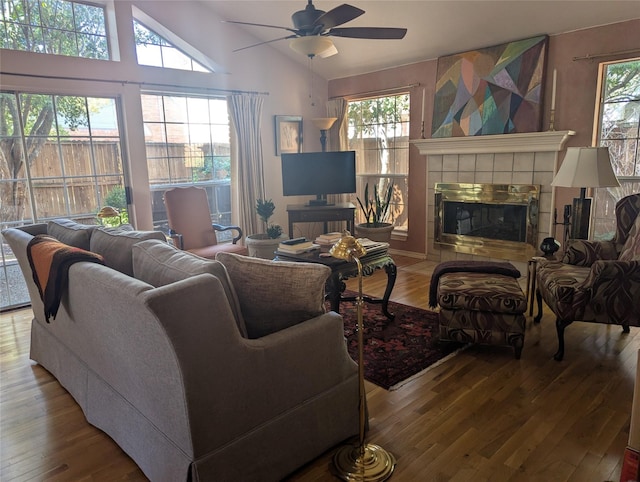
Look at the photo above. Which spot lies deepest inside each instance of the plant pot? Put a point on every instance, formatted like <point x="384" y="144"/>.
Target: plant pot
<point x="382" y="233"/>
<point x="261" y="246"/>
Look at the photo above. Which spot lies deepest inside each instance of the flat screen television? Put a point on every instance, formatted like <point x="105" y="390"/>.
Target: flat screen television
<point x="319" y="174"/>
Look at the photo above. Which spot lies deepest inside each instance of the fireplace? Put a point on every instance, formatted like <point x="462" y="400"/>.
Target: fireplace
<point x="525" y="159"/>
<point x="495" y="220"/>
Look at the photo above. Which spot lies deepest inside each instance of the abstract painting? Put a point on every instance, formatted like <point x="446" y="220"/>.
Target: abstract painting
<point x="495" y="90"/>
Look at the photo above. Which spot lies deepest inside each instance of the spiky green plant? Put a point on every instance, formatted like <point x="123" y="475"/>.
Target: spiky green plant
<point x="376" y="210"/>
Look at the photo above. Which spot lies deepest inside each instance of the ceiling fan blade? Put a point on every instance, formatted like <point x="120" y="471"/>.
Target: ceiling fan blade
<point x="262" y="25"/>
<point x="369" y="32"/>
<point x="337" y="16"/>
<point x="263" y="43"/>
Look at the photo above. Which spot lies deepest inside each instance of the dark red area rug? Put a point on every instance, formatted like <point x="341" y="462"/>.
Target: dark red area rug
<point x="395" y="350"/>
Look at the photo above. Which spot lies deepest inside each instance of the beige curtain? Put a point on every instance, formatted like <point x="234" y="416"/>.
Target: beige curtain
<point x="338" y="134"/>
<point x="245" y="111"/>
<point x="338" y="141"/>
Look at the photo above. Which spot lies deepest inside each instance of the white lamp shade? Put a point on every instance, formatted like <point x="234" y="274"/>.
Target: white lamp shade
<point x="324" y="123"/>
<point x="313" y="45"/>
<point x="586" y="167"/>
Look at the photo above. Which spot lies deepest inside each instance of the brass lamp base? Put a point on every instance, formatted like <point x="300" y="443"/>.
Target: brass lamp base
<point x="368" y="463"/>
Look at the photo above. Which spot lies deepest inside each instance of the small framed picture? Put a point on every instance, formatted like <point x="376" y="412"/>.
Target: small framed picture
<point x="288" y="134"/>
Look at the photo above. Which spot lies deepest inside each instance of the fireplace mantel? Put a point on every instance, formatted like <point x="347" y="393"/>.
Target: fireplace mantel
<point x="549" y="141"/>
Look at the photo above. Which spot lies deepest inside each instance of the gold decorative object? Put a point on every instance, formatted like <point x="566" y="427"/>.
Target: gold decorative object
<point x="365" y="461"/>
<point x="109" y="212"/>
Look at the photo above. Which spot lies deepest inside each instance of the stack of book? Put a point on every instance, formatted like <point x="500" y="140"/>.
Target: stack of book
<point x="373" y="246"/>
<point x="326" y="241"/>
<point x="296" y="246"/>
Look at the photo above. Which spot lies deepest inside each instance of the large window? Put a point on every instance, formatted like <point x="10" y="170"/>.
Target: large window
<point x="618" y="129"/>
<point x="156" y="51"/>
<point x="60" y="156"/>
<point x="54" y="27"/>
<point x="187" y="142"/>
<point x="379" y="133"/>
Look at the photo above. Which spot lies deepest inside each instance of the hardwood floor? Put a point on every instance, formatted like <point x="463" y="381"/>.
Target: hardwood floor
<point x="481" y="416"/>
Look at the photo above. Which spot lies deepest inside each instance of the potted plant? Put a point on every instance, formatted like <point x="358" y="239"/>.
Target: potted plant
<point x="263" y="245"/>
<point x="376" y="212"/>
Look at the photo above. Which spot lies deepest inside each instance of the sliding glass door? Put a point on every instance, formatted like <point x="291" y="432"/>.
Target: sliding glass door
<point x="60" y="156"/>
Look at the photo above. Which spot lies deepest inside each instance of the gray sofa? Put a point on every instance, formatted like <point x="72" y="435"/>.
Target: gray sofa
<point x="200" y="370"/>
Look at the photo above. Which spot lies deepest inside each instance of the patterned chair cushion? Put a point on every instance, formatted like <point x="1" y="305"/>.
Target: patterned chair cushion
<point x="481" y="292"/>
<point x="580" y="252"/>
<point x="631" y="249"/>
<point x="627" y="211"/>
<point x="559" y="283"/>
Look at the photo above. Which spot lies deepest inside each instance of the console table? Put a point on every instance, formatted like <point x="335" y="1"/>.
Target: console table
<point x="341" y="270"/>
<point x="302" y="213"/>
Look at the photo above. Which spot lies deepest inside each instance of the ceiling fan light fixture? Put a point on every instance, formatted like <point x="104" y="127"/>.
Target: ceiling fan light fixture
<point x="311" y="45"/>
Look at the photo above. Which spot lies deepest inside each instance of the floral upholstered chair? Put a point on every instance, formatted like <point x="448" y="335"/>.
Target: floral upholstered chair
<point x="596" y="281"/>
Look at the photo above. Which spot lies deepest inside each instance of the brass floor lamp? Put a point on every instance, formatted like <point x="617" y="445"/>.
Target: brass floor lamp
<point x="364" y="462"/>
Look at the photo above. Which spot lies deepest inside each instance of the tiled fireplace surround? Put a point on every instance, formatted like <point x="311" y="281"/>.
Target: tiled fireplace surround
<point x="528" y="158"/>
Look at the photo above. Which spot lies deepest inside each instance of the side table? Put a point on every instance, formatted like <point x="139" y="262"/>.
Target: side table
<point x="532" y="267"/>
<point x="341" y="270"/>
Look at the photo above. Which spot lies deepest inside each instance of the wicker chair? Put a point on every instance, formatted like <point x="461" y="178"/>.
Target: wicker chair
<point x="596" y="281"/>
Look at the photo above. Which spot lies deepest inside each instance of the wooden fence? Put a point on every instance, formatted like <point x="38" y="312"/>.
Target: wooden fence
<point x="75" y="177"/>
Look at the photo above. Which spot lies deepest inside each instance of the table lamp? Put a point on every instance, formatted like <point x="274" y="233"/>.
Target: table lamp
<point x="324" y="124"/>
<point x="364" y="462"/>
<point x="584" y="167"/>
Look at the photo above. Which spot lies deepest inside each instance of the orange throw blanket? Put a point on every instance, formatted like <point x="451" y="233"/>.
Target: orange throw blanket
<point x="50" y="261"/>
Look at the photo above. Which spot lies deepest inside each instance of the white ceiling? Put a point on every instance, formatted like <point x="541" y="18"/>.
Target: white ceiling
<point x="435" y="28"/>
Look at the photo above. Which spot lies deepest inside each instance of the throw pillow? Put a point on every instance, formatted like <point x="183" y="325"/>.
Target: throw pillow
<point x="274" y="295"/>
<point x="115" y="246"/>
<point x="159" y="263"/>
<point x="69" y="232"/>
<point x="631" y="249"/>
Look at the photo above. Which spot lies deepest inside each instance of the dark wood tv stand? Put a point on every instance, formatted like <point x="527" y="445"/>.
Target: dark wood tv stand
<point x="303" y="213"/>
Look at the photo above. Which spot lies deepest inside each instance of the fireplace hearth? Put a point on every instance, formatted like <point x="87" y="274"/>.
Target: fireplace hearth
<point x="494" y="220"/>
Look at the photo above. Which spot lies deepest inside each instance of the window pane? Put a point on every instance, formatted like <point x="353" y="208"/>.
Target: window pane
<point x="619" y="131"/>
<point x="16" y="204"/>
<point x="152" y="107"/>
<point x="85" y="16"/>
<point x="55" y="27"/>
<point x="188" y="148"/>
<point x="71" y="175"/>
<point x="103" y="117"/>
<point x="37" y="114"/>
<point x="156" y="51"/>
<point x="174" y="59"/>
<point x="379" y="133"/>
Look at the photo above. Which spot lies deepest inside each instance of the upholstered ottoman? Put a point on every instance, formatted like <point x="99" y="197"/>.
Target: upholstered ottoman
<point x="482" y="308"/>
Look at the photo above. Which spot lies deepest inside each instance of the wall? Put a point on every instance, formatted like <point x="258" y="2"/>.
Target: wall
<point x="575" y="103"/>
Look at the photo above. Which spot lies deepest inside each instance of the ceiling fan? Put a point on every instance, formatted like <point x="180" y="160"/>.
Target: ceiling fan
<point x="312" y="27"/>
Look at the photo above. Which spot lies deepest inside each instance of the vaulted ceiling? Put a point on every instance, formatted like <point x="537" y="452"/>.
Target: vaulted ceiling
<point x="435" y="28"/>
